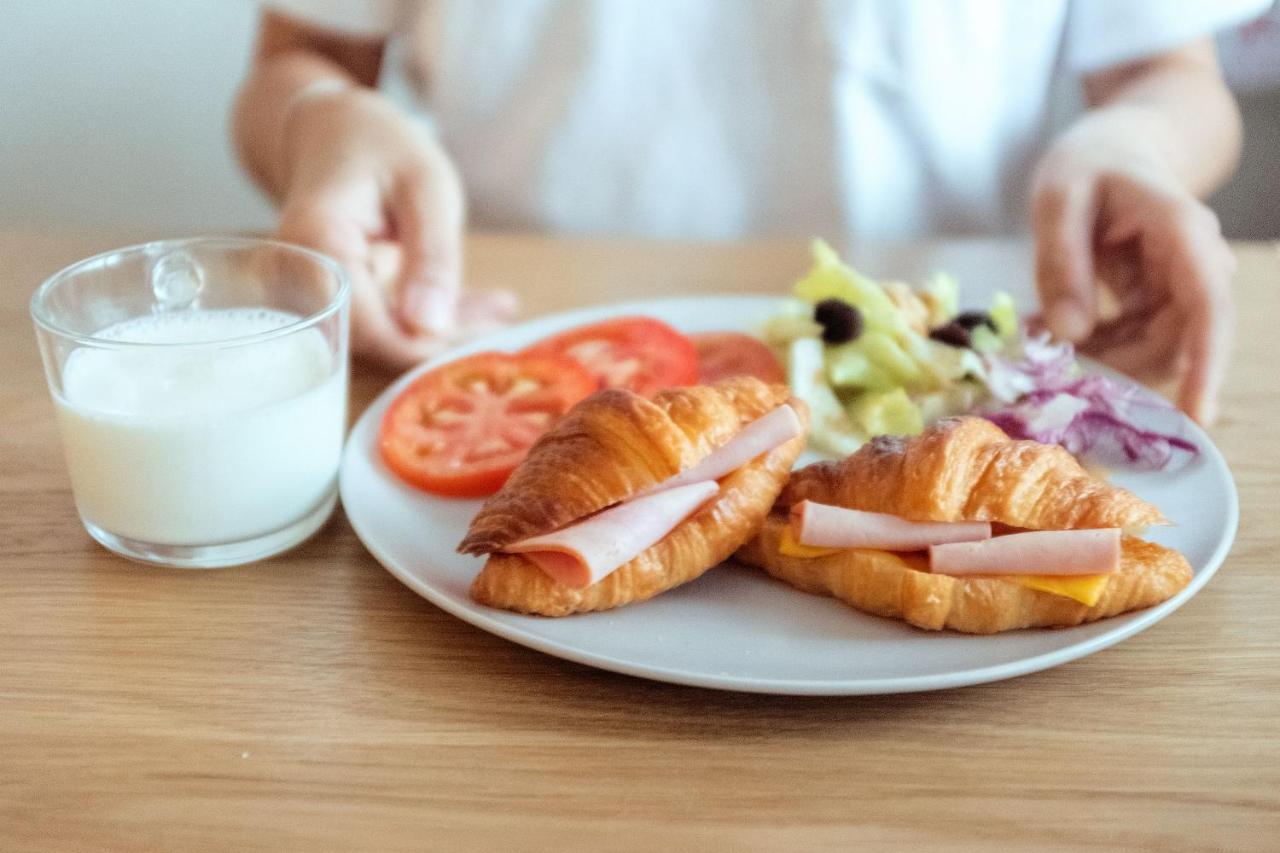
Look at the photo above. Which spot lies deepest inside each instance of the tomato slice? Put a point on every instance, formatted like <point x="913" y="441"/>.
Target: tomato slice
<point x="725" y="354"/>
<point x="638" y="353"/>
<point x="462" y="428"/>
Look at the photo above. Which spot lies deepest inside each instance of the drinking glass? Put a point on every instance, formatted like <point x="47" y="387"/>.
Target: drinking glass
<point x="200" y="388"/>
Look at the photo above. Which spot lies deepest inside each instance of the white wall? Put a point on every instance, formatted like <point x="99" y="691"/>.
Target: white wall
<point x="114" y="112"/>
<point x="1249" y="206"/>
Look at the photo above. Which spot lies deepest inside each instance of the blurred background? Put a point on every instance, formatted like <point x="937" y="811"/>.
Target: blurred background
<point x="114" y="114"/>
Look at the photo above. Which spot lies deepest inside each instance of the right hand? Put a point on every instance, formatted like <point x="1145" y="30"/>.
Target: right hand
<point x="1105" y="221"/>
<point x="368" y="186"/>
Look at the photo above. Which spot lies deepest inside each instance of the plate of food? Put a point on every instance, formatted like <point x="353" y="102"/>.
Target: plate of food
<point x="858" y="488"/>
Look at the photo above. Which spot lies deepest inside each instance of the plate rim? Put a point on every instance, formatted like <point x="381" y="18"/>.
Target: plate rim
<point x="1136" y="623"/>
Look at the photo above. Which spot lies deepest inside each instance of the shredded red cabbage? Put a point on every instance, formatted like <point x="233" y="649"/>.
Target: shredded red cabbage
<point x="1045" y="399"/>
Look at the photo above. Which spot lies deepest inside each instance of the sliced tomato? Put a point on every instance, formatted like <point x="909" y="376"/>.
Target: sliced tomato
<point x="462" y="428"/>
<point x="637" y="353"/>
<point x="725" y="354"/>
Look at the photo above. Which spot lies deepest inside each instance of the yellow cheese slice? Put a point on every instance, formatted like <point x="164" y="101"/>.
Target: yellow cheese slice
<point x="1086" y="589"/>
<point x="788" y="546"/>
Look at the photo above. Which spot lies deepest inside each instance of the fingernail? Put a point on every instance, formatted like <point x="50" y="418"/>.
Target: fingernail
<point x="431" y="308"/>
<point x="501" y="305"/>
<point x="413" y="306"/>
<point x="1067" y="320"/>
<point x="508" y="304"/>
<point x="440" y="309"/>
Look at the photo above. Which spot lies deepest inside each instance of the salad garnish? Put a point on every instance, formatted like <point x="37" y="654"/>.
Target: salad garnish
<point x="883" y="358"/>
<point x="1040" y="394"/>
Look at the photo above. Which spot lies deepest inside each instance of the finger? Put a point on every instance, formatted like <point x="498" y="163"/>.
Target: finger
<point x="376" y="335"/>
<point x="1122" y="281"/>
<point x="474" y="306"/>
<point x="1200" y="270"/>
<point x="426" y="213"/>
<point x="1063" y="217"/>
<point x="487" y="306"/>
<point x="1114" y="333"/>
<point x="1034" y="324"/>
<point x="480" y="313"/>
<point x="386" y="260"/>
<point x="1145" y="348"/>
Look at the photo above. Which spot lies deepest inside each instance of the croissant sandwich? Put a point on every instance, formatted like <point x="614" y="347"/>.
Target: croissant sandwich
<point x="626" y="497"/>
<point x="964" y="528"/>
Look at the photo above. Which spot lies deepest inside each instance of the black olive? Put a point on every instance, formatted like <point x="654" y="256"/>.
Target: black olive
<point x="973" y="319"/>
<point x="840" y="321"/>
<point x="953" y="334"/>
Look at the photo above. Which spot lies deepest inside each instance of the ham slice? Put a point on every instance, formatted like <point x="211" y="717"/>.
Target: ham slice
<point x="755" y="439"/>
<point x="1042" y="552"/>
<point x="587" y="551"/>
<point x="825" y="526"/>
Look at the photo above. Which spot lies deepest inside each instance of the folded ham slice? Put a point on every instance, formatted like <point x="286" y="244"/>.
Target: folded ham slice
<point x="755" y="439"/>
<point x="825" y="526"/>
<point x="1042" y="552"/>
<point x="585" y="552"/>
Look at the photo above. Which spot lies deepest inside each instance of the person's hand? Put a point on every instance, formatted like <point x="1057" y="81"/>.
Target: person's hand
<point x="368" y="186"/>
<point x="1132" y="268"/>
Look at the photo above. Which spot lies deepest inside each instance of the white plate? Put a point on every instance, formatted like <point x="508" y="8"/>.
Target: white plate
<point x="735" y="628"/>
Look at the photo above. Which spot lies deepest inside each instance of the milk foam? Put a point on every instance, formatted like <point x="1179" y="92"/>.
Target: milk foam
<point x="161" y="381"/>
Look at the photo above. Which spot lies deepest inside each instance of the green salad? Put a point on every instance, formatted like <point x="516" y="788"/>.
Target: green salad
<point x="873" y="358"/>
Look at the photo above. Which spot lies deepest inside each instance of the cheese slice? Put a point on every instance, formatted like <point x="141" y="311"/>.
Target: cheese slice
<point x="587" y="551"/>
<point x="1086" y="589"/>
<point x="788" y="546"/>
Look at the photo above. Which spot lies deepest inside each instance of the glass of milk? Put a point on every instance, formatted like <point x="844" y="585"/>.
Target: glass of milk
<point x="200" y="388"/>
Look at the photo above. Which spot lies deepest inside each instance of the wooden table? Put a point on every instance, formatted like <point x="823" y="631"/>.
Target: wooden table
<point x="312" y="702"/>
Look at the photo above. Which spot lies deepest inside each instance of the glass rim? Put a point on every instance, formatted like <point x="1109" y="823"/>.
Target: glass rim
<point x="39" y="299"/>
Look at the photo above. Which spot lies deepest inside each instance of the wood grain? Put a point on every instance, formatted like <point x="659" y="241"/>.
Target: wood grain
<point x="312" y="702"/>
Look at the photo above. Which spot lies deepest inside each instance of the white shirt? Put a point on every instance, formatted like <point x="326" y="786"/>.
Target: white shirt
<point x="712" y="119"/>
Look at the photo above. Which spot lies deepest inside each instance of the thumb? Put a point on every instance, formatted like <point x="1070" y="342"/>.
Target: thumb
<point x="1063" y="218"/>
<point x="428" y="223"/>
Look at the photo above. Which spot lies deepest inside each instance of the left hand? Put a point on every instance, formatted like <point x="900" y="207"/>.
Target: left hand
<point x="1111" y="229"/>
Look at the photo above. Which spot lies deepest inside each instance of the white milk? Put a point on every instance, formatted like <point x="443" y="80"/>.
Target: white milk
<point x="200" y="447"/>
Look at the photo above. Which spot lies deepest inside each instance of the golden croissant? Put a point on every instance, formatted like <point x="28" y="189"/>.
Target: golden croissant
<point x="967" y="470"/>
<point x="611" y="450"/>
